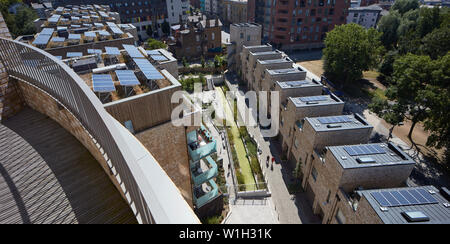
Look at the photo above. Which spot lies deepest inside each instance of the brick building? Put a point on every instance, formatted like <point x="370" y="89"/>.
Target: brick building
<point x="197" y="38"/>
<point x="298" y="24"/>
<point x="234" y="11"/>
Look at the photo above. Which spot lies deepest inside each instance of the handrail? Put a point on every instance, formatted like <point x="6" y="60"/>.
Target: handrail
<point x="46" y="72"/>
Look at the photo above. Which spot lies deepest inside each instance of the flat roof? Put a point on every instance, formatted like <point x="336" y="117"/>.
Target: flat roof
<point x="437" y="212"/>
<point x="329" y="123"/>
<point x="315" y="100"/>
<point x="369" y="155"/>
<point x="297" y="84"/>
<point x="275" y="61"/>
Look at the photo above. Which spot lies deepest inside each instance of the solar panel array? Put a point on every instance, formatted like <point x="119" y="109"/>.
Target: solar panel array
<point x="74" y="36"/>
<point x="313" y="99"/>
<point x="150" y="72"/>
<point x="42" y="39"/>
<point x="133" y="51"/>
<point x="158" y="57"/>
<point x="112" y="51"/>
<point x="102" y="83"/>
<point x="116" y="30"/>
<point x="90" y="34"/>
<point x="54" y="18"/>
<point x="104" y="33"/>
<point x="127" y="78"/>
<point x="404" y="197"/>
<point x="47" y="31"/>
<point x="364" y="150"/>
<point x="335" y="119"/>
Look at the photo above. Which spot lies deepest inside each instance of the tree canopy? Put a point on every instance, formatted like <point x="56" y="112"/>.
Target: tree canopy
<point x="20" y="23"/>
<point x="349" y="50"/>
<point x="155" y="44"/>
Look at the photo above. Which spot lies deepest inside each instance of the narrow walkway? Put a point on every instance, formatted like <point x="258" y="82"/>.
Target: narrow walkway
<point x="47" y="176"/>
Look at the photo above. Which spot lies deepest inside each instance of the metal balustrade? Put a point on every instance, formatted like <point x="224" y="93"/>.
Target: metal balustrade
<point x="44" y="71"/>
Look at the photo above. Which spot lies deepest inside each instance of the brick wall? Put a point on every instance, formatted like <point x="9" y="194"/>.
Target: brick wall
<point x="10" y="99"/>
<point x="167" y="143"/>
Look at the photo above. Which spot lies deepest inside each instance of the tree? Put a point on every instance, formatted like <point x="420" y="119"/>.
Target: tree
<point x="155" y="44"/>
<point x="20" y="23"/>
<point x="429" y="19"/>
<point x="392" y="113"/>
<point x="403" y="6"/>
<point x="185" y="62"/>
<point x="165" y="27"/>
<point x="409" y="79"/>
<point x="387" y="66"/>
<point x="349" y="50"/>
<point x="388" y="26"/>
<point x="436" y="43"/>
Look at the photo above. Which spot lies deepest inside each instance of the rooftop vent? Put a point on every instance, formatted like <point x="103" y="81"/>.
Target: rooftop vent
<point x="415" y="216"/>
<point x="312" y="102"/>
<point x="365" y="160"/>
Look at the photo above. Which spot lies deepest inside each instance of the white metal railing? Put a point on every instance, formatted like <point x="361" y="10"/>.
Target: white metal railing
<point x="42" y="70"/>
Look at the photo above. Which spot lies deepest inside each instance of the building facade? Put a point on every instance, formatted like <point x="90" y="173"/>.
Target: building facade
<point x="299" y="24"/>
<point x="242" y="34"/>
<point x="365" y="16"/>
<point x="234" y="11"/>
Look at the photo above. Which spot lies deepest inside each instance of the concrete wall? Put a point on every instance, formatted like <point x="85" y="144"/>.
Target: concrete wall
<point x="167" y="143"/>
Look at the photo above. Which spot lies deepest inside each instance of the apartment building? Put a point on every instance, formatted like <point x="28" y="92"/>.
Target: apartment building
<point x="198" y="37"/>
<point x="315" y="133"/>
<point x="349" y="168"/>
<point x="298" y="24"/>
<point x="367" y="16"/>
<point x="146" y="15"/>
<point x="249" y="59"/>
<point x="298" y="108"/>
<point x="234" y="11"/>
<point x="242" y="34"/>
<point x="254" y="79"/>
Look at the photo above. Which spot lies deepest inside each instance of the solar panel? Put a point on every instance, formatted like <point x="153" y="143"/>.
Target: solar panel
<point x="150" y="72"/>
<point x="74" y="54"/>
<point x="94" y="51"/>
<point x="90" y="34"/>
<point x="102" y="83"/>
<point x="133" y="51"/>
<point x="313" y="99"/>
<point x="127" y="77"/>
<point x="116" y="30"/>
<point x="47" y="31"/>
<point x="58" y="39"/>
<point x="74" y="36"/>
<point x="159" y="57"/>
<point x="334" y="119"/>
<point x="296" y="83"/>
<point x="405" y="197"/>
<point x="364" y="150"/>
<point x="41" y="39"/>
<point x="112" y="51"/>
<point x="104" y="33"/>
<point x="153" y="52"/>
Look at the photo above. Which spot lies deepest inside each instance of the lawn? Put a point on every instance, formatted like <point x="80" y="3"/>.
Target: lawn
<point x="244" y="164"/>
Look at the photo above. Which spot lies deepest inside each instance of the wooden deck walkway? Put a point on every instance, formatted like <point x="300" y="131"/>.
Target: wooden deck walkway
<point x="47" y="176"/>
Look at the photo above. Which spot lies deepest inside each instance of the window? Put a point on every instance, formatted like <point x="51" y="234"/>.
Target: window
<point x="314" y="174"/>
<point x="340" y="218"/>
<point x="212" y="36"/>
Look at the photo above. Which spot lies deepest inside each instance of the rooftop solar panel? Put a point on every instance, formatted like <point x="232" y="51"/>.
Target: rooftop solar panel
<point x="153" y="52"/>
<point x="94" y="51"/>
<point x="90" y="34"/>
<point x="58" y="39"/>
<point x="313" y="99"/>
<point x="404" y="197"/>
<point x="112" y="51"/>
<point x="364" y="150"/>
<point x="102" y="83"/>
<point x="104" y="33"/>
<point x="74" y="36"/>
<point x="159" y="57"/>
<point x="47" y="31"/>
<point x="150" y="72"/>
<point x="74" y="54"/>
<point x="296" y="83"/>
<point x="116" y="30"/>
<point x="41" y="39"/>
<point x="133" y="51"/>
<point x="335" y="119"/>
<point x="127" y="77"/>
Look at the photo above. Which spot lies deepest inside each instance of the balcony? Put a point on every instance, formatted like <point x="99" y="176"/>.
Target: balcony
<point x="200" y="144"/>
